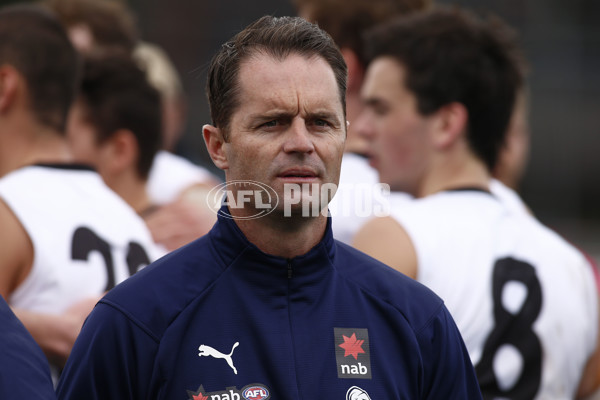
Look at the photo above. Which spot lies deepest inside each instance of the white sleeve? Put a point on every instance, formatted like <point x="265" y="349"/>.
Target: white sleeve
<point x="172" y="174"/>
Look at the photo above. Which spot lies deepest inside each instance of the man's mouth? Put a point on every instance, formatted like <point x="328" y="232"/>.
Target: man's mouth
<point x="298" y="174"/>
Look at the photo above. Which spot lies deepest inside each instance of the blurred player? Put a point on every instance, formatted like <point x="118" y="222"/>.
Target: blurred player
<point x="360" y="197"/>
<point x="115" y="126"/>
<point x="175" y="184"/>
<point x="440" y="90"/>
<point x="65" y="237"/>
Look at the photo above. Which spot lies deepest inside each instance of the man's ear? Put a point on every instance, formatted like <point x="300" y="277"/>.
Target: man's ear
<point x="215" y="143"/>
<point x="451" y="123"/>
<point x="356" y="71"/>
<point x="122" y="151"/>
<point x="9" y="83"/>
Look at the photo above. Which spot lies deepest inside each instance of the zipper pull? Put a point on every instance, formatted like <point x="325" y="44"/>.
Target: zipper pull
<point x="289" y="269"/>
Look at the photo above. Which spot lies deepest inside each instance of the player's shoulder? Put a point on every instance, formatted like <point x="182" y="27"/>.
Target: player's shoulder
<point x="70" y="191"/>
<point x="66" y="181"/>
<point x="417" y="303"/>
<point x="547" y="241"/>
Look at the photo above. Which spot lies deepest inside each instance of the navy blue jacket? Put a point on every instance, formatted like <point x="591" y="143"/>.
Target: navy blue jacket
<point x="24" y="371"/>
<point x="220" y="319"/>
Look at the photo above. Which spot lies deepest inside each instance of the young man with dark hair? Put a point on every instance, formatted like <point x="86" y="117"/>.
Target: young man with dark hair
<point x="65" y="238"/>
<point x="359" y="193"/>
<point x="439" y="93"/>
<point x="115" y="126"/>
<point x="176" y="184"/>
<point x="269" y="305"/>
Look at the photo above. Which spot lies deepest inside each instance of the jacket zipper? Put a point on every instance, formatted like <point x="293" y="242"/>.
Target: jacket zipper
<point x="289" y="275"/>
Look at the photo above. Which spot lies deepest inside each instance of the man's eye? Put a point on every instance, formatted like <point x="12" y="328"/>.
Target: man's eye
<point x="321" y="122"/>
<point x="270" y="124"/>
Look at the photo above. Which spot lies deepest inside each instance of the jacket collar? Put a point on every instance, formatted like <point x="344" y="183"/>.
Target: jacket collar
<point x="230" y="242"/>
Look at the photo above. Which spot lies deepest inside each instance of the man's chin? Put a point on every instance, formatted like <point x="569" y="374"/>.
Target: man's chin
<point x="304" y="207"/>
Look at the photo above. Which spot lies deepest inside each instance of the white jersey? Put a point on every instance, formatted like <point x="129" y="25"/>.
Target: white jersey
<point x="508" y="197"/>
<point x="359" y="198"/>
<point x="171" y="174"/>
<point x="85" y="238"/>
<point x="524" y="300"/>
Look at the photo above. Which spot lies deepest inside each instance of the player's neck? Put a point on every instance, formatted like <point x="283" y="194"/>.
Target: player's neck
<point x="132" y="189"/>
<point x="457" y="173"/>
<point x="27" y="144"/>
<point x="283" y="236"/>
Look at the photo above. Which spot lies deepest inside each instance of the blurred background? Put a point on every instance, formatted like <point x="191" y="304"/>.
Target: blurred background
<point x="561" y="40"/>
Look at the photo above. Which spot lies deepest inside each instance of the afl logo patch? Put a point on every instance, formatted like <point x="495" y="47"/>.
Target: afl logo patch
<point x="356" y="393"/>
<point x="255" y="392"/>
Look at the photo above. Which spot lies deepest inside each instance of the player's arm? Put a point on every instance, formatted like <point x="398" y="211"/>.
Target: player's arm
<point x="56" y="333"/>
<point x="16" y="249"/>
<point x="386" y="240"/>
<point x="590" y="379"/>
<point x="183" y="220"/>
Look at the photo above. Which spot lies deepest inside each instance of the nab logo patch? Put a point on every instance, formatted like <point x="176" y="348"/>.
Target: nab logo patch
<point x="352" y="353"/>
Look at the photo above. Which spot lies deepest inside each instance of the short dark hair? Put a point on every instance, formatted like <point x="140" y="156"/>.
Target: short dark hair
<point x="451" y="55"/>
<point x="111" y="22"/>
<point x="34" y="43"/>
<point x="116" y="94"/>
<point x="276" y="37"/>
<point x="347" y="20"/>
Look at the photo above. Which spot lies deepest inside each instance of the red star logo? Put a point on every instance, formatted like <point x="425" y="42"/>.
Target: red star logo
<point x="352" y="346"/>
<point x="197" y="395"/>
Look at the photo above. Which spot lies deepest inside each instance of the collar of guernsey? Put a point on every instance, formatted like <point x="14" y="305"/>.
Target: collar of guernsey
<point x="231" y="243"/>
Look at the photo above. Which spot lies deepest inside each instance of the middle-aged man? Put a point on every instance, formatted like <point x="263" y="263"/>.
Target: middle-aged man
<point x="271" y="307"/>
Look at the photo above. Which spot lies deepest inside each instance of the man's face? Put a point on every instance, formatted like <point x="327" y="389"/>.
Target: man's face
<point x="289" y="127"/>
<point x="513" y="156"/>
<point x="397" y="133"/>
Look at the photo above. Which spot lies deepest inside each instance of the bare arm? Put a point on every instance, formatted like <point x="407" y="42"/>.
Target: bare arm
<point x="16" y="249"/>
<point x="590" y="379"/>
<point x="56" y="334"/>
<point x="386" y="240"/>
<point x="183" y="220"/>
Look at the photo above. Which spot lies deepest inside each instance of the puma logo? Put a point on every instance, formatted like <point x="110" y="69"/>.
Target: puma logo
<point x="209" y="351"/>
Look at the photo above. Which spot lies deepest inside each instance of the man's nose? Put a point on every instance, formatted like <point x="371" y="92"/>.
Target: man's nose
<point x="298" y="138"/>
